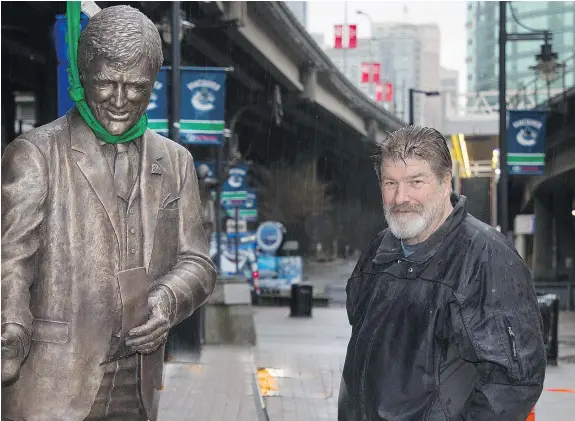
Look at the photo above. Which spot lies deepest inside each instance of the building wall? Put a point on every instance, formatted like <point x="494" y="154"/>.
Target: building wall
<point x="483" y="35"/>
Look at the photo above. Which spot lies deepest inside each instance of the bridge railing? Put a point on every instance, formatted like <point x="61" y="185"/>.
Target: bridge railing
<point x="486" y="103"/>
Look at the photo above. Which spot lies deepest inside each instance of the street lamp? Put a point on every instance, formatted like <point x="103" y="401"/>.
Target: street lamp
<point x="547" y="67"/>
<point x="359" y="12"/>
<point x="417" y="91"/>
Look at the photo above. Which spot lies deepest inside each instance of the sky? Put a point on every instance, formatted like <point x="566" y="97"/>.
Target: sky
<point x="448" y="15"/>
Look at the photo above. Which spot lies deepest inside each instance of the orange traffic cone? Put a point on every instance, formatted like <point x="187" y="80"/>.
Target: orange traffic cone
<point x="531" y="416"/>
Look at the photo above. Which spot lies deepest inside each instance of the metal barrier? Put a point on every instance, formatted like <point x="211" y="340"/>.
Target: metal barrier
<point x="549" y="307"/>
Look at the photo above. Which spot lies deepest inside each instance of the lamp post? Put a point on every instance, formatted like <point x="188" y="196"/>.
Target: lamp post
<point x="413" y="91"/>
<point x="371" y="91"/>
<point x="546" y="69"/>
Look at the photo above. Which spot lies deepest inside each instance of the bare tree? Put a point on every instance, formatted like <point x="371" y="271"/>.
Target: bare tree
<point x="290" y="194"/>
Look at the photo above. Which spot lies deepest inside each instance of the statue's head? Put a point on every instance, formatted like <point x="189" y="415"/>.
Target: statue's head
<point x="119" y="56"/>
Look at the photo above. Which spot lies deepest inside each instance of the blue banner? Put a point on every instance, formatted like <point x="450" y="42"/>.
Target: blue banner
<point x="237" y="178"/>
<point x="157" y="110"/>
<point x="64" y="101"/>
<point x="526" y="142"/>
<point x="203" y="105"/>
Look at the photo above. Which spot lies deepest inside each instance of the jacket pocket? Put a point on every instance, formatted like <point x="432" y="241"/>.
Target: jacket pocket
<point x="513" y="345"/>
<point x="50" y="331"/>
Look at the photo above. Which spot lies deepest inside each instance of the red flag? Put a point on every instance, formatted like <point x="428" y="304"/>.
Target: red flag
<point x="388" y="92"/>
<point x="352" y="33"/>
<point x="379" y="92"/>
<point x="376" y="72"/>
<point x="365" y="68"/>
<point x="338" y="36"/>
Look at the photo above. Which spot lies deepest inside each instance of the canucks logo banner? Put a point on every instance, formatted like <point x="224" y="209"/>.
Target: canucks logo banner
<point x="203" y="100"/>
<point x="526" y="142"/>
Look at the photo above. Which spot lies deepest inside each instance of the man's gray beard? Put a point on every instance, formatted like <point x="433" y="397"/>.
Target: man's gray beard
<point x="406" y="226"/>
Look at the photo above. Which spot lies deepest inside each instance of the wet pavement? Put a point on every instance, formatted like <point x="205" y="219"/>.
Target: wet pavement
<point x="306" y="356"/>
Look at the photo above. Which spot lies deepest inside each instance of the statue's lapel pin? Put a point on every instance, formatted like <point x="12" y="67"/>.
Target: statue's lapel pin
<point x="156" y="169"/>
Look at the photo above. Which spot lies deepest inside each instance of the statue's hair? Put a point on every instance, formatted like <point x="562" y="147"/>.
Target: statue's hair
<point x="122" y="35"/>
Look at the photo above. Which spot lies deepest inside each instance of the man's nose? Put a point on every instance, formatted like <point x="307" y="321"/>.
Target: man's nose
<point x="119" y="98"/>
<point x="401" y="194"/>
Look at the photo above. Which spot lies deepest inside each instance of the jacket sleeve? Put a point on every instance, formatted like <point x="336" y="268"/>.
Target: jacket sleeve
<point x="192" y="279"/>
<point x="499" y="325"/>
<point x="24" y="191"/>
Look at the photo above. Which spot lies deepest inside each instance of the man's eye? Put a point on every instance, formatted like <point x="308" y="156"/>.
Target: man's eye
<point x="416" y="182"/>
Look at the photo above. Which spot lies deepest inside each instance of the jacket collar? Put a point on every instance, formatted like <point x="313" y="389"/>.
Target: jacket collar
<point x="390" y="247"/>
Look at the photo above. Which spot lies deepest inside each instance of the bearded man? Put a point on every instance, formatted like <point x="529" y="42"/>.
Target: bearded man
<point x="103" y="249"/>
<point x="444" y="315"/>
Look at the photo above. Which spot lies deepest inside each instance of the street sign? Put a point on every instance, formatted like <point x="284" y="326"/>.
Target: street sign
<point x="231" y="226"/>
<point x="526" y="142"/>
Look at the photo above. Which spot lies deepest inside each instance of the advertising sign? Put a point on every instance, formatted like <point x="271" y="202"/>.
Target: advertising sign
<point x="269" y="236"/>
<point x="526" y="142"/>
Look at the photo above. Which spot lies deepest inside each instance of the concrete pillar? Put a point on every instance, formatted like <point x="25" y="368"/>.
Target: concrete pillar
<point x="371" y="128"/>
<point x="564" y="232"/>
<point x="309" y="82"/>
<point x="543" y="240"/>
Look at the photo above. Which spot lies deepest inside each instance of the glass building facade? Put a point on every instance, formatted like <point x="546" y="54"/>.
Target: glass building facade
<point x="483" y="37"/>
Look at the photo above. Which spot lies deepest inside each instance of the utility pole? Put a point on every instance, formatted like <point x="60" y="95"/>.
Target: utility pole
<point x="174" y="105"/>
<point x="503" y="175"/>
<point x="345" y="31"/>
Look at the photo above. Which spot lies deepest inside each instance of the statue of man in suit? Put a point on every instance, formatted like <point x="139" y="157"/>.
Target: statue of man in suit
<point x="93" y="232"/>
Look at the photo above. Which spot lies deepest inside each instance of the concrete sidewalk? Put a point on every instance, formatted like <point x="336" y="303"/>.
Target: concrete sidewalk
<point x="216" y="385"/>
<point x="308" y="357"/>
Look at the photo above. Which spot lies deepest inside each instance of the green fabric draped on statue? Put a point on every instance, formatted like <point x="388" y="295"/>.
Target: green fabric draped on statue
<point x="76" y="90"/>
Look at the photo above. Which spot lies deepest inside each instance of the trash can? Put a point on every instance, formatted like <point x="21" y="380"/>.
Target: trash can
<point x="301" y="300"/>
<point x="549" y="307"/>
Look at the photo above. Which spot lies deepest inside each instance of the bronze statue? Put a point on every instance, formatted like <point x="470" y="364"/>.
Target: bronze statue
<point x="103" y="249"/>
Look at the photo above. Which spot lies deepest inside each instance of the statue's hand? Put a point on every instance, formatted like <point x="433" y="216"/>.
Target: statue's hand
<point x="11" y="354"/>
<point x="151" y="335"/>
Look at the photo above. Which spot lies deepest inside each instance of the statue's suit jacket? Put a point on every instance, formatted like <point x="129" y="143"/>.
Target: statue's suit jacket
<point x="60" y="257"/>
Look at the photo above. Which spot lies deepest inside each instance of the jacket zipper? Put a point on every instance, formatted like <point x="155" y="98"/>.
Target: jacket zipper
<point x="362" y="380"/>
<point x="513" y="343"/>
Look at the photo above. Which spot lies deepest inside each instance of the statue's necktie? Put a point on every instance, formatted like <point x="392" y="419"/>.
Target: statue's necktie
<point x="122" y="169"/>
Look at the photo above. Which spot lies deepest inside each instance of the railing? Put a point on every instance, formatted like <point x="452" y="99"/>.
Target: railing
<point x="486" y="103"/>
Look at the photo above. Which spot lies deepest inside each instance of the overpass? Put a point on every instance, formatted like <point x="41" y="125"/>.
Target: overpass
<point x="542" y="208"/>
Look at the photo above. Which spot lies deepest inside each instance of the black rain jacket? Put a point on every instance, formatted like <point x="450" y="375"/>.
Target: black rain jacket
<point x="452" y="332"/>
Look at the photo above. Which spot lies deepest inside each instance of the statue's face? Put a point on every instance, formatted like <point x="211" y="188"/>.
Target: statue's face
<point x="118" y="97"/>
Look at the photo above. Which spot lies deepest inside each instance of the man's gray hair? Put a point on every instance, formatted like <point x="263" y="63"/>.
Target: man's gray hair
<point x="122" y="35"/>
<point x="416" y="142"/>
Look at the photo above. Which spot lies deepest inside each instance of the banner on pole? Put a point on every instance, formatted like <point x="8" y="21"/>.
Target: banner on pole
<point x="345" y="36"/>
<point x="376" y="72"/>
<point x="65" y="103"/>
<point x="338" y="43"/>
<point x="526" y="142"/>
<point x="202" y="105"/>
<point x="365" y="72"/>
<point x="388" y="92"/>
<point x="352" y="32"/>
<point x="157" y="110"/>
<point x="379" y="92"/>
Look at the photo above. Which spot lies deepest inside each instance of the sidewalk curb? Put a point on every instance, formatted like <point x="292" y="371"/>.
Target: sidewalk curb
<point x="258" y="398"/>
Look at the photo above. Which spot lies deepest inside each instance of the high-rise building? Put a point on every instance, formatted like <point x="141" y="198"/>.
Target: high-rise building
<point x="483" y="42"/>
<point x="409" y="58"/>
<point x="299" y="9"/>
<point x="449" y="82"/>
